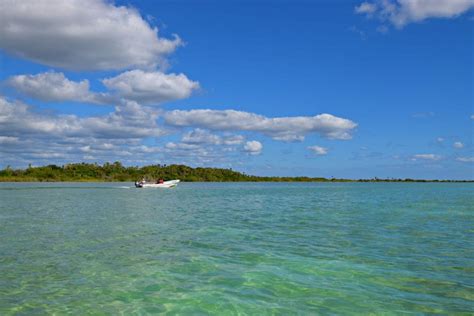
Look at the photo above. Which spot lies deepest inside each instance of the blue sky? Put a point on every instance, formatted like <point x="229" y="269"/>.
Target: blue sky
<point x="320" y="88"/>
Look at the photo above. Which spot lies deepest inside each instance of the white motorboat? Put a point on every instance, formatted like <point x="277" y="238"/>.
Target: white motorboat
<point x="164" y="184"/>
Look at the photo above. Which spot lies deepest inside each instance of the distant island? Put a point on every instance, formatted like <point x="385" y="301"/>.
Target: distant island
<point x="116" y="172"/>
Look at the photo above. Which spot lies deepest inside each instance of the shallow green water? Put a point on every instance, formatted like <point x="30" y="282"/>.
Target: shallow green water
<point x="225" y="249"/>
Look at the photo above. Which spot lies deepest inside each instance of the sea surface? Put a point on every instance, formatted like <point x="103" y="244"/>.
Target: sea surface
<point x="237" y="248"/>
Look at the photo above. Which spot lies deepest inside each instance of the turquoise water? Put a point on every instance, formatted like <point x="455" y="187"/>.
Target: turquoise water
<point x="228" y="249"/>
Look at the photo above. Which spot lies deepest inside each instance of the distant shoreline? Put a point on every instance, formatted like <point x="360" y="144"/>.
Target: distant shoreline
<point x="275" y="181"/>
<point x="116" y="172"/>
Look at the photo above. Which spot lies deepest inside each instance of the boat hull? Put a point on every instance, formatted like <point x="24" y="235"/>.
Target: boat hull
<point x="164" y="185"/>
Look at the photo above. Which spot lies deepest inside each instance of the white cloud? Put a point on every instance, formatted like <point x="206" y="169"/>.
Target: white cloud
<point x="472" y="117"/>
<point x="204" y="148"/>
<point x="135" y="85"/>
<point x="81" y="35"/>
<point x="51" y="86"/>
<point x="41" y="151"/>
<point x="465" y="159"/>
<point x="281" y="128"/>
<point x="201" y="153"/>
<point x="151" y="87"/>
<point x="426" y="157"/>
<point x="181" y="146"/>
<point x="440" y="139"/>
<point x="129" y="120"/>
<point x="233" y="140"/>
<point x="402" y="12"/>
<point x="365" y="8"/>
<point x="318" y="150"/>
<point x="29" y="136"/>
<point x="458" y="145"/>
<point x="200" y="136"/>
<point x="253" y="147"/>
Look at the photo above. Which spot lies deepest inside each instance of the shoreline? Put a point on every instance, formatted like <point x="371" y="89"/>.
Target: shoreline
<point x="248" y="181"/>
<point x="116" y="172"/>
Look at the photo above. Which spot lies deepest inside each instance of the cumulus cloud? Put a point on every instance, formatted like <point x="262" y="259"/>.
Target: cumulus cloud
<point x="135" y="85"/>
<point x="233" y="140"/>
<point x="52" y="86"/>
<point x="253" y="147"/>
<point x="45" y="137"/>
<point x="465" y="159"/>
<point x="151" y="87"/>
<point x="365" y="8"/>
<point x="202" y="147"/>
<point x="41" y="151"/>
<point x="201" y="136"/>
<point x="202" y="153"/>
<point x="318" y="150"/>
<point x="181" y="146"/>
<point x="402" y="12"/>
<point x="281" y="128"/>
<point x="440" y="139"/>
<point x="426" y="157"/>
<point x="81" y="35"/>
<point x="31" y="136"/>
<point x="129" y="120"/>
<point x="458" y="145"/>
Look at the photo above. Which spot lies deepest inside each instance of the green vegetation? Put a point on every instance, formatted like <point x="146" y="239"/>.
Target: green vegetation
<point x="110" y="172"/>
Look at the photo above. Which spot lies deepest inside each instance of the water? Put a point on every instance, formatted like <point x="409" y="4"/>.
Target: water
<point x="228" y="249"/>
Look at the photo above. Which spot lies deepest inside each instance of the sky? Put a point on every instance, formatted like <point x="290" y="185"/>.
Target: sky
<point x="347" y="89"/>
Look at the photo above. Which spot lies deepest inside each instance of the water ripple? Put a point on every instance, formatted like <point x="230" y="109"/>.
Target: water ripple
<point x="208" y="248"/>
